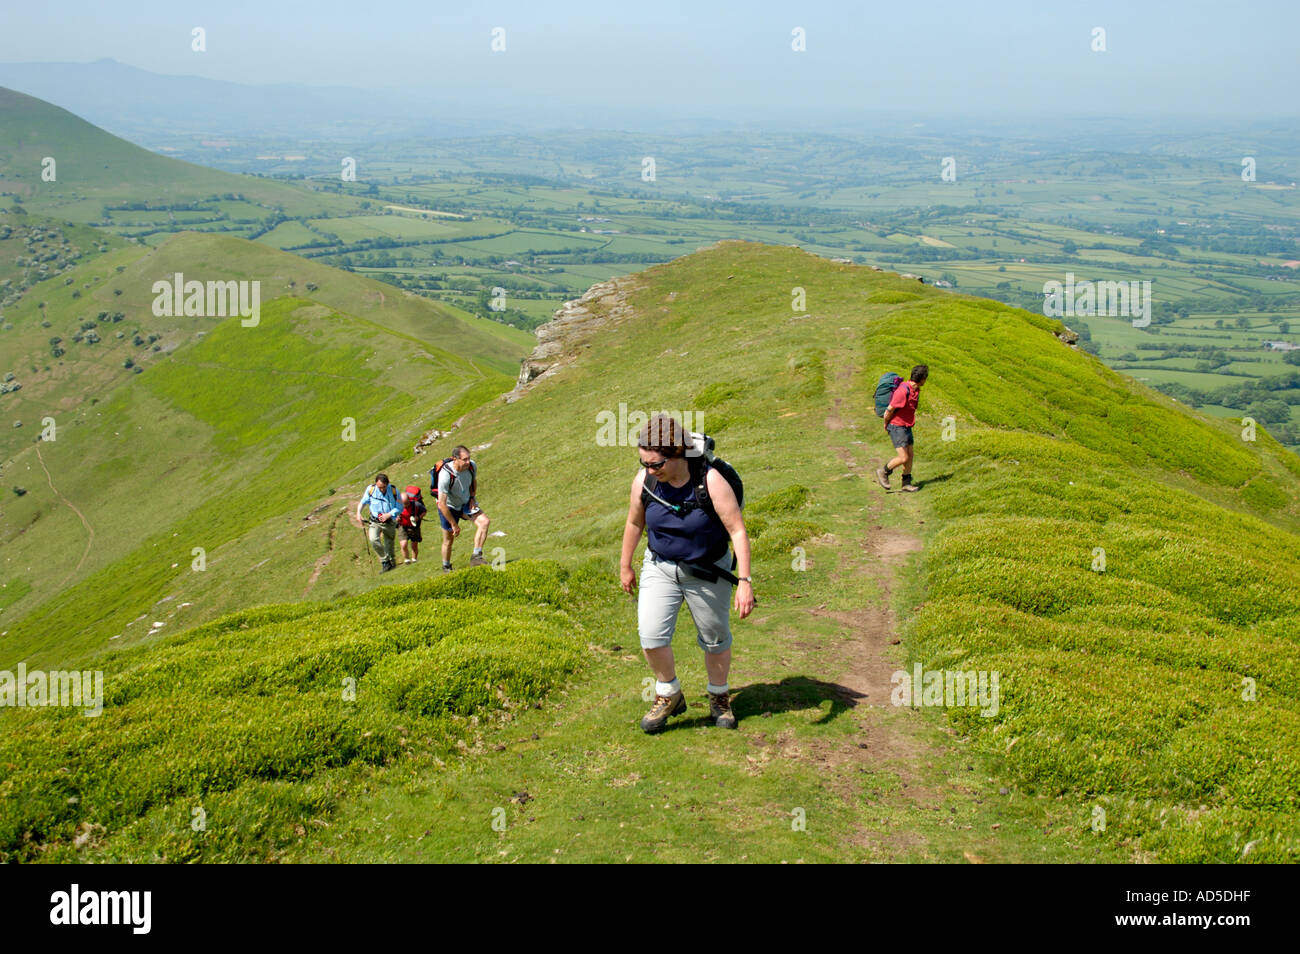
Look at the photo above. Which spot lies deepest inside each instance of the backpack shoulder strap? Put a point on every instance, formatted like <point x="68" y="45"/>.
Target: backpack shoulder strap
<point x="650" y="491"/>
<point x="700" y="478"/>
<point x="648" y="488"/>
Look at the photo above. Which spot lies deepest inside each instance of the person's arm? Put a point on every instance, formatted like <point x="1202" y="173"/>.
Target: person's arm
<point x="473" y="481"/>
<point x="895" y="405"/>
<point x="364" y="498"/>
<point x="632" y="531"/>
<point x="444" y="488"/>
<point x="728" y="510"/>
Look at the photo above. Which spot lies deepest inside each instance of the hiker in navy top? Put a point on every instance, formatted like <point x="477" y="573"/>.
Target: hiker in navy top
<point x="686" y="552"/>
<point x="384" y="508"/>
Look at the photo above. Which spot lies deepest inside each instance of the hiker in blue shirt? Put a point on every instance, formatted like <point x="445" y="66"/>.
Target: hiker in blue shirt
<point x="384" y="508"/>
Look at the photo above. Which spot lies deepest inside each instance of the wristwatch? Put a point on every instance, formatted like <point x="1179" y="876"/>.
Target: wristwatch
<point x="746" y="579"/>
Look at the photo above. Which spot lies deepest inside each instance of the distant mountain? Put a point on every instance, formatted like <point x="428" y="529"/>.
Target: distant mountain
<point x="137" y="103"/>
<point x="142" y="105"/>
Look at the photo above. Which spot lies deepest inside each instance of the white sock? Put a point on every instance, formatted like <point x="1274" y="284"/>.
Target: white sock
<point x="668" y="688"/>
<point x="719" y="690"/>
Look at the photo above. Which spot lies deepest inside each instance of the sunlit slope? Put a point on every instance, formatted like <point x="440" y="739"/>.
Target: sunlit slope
<point x="1131" y="569"/>
<point x="1163" y="681"/>
<point x="114" y="295"/>
<point x="226" y="428"/>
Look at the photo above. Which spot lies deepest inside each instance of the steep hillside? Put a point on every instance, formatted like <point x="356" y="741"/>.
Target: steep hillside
<point x="171" y="433"/>
<point x="1131" y="570"/>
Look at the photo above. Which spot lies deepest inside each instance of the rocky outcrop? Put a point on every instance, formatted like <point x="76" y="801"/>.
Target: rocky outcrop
<point x="429" y="438"/>
<point x="568" y="333"/>
<point x="1069" y="337"/>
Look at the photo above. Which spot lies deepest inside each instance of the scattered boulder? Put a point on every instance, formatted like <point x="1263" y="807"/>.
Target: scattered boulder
<point x="1071" y="338"/>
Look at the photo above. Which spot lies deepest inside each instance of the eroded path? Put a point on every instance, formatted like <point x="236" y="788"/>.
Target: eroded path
<point x="90" y="531"/>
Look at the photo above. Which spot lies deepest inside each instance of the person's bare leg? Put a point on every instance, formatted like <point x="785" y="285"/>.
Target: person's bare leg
<point x="446" y="546"/>
<point x="480" y="535"/>
<point x="901" y="456"/>
<point x="662" y="663"/>
<point x="718" y="665"/>
<point x="907" y="460"/>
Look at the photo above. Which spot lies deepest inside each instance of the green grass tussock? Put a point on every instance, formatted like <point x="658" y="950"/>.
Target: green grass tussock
<point x="282" y="694"/>
<point x="1159" y="684"/>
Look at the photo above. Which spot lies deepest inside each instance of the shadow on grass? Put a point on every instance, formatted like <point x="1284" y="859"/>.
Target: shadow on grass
<point x="934" y="480"/>
<point x="921" y="484"/>
<point x="794" y="693"/>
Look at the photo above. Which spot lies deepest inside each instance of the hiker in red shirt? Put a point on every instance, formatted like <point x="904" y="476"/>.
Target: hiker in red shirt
<point x="900" y="418"/>
<point x="408" y="523"/>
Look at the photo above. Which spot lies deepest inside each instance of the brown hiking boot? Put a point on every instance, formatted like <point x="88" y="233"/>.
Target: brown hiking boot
<point x="720" y="709"/>
<point x="882" y="478"/>
<point x="909" y="486"/>
<point x="477" y="560"/>
<point x="665" y="706"/>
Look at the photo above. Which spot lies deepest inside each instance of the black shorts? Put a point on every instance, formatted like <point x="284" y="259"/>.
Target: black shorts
<point x="900" y="435"/>
<point x="412" y="533"/>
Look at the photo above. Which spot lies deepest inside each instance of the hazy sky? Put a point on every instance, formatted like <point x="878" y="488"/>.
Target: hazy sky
<point x="940" y="58"/>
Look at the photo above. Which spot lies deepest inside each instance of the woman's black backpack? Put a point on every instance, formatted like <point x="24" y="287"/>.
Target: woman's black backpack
<point x="699" y="463"/>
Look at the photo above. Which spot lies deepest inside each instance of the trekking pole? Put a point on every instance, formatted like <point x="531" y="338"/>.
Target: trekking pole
<point x="365" y="538"/>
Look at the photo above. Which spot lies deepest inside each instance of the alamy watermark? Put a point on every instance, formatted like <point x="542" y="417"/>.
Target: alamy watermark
<point x="946" y="688"/>
<point x="1087" y="299"/>
<point x="621" y="428"/>
<point x="196" y="299"/>
<point x="127" y="908"/>
<point x="24" y="689"/>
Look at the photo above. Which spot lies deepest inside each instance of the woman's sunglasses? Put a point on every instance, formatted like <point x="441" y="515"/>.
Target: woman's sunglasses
<point x="654" y="464"/>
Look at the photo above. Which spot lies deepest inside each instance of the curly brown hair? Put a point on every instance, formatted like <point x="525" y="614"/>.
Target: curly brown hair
<point x="664" y="435"/>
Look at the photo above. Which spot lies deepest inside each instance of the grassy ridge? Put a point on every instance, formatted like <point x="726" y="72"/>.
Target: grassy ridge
<point x="225" y="428"/>
<point x="1105" y="703"/>
<point x="94" y="167"/>
<point x="242" y="426"/>
<point x="1122" y="688"/>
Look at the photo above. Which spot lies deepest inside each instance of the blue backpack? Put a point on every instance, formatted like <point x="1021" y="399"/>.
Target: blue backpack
<point x="889" y="382"/>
